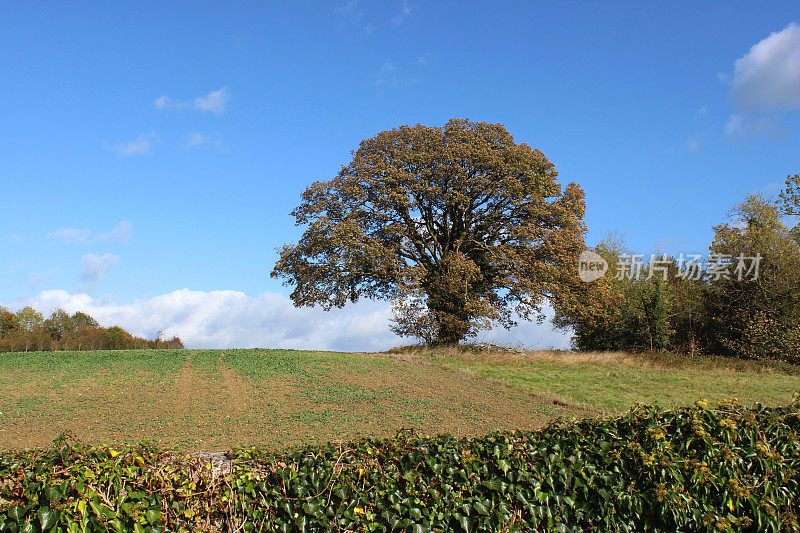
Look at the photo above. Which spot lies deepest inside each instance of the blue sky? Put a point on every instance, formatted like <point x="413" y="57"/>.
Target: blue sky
<point x="152" y="151"/>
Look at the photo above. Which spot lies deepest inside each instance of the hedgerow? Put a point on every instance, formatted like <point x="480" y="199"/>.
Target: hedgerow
<point x="693" y="469"/>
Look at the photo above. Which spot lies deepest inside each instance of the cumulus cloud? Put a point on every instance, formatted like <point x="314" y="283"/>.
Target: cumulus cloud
<point x="232" y="319"/>
<point x="143" y="144"/>
<point x="767" y="78"/>
<point x="69" y="235"/>
<point x="214" y="102"/>
<point x="119" y="233"/>
<point x="766" y="82"/>
<point x="94" y="267"/>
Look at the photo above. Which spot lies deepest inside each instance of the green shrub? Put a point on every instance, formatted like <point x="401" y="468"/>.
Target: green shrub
<point x="692" y="469"/>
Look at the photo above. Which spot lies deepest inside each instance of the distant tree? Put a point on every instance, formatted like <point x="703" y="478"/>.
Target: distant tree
<point x="116" y="338"/>
<point x="687" y="316"/>
<point x="599" y="313"/>
<point x="460" y="224"/>
<point x="60" y="331"/>
<point x="175" y="343"/>
<point x="9" y="330"/>
<point x="629" y="309"/>
<point x="82" y="320"/>
<point x="31" y="323"/>
<point x="790" y="202"/>
<point x="29" y="319"/>
<point x="60" y="325"/>
<point x="8" y="322"/>
<point x="756" y="317"/>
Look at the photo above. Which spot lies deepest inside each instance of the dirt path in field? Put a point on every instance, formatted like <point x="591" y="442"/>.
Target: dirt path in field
<point x="186" y="383"/>
<point x="237" y="390"/>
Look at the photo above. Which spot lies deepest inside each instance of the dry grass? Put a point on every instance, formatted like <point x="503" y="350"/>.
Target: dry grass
<point x="614" y="381"/>
<point x="499" y="355"/>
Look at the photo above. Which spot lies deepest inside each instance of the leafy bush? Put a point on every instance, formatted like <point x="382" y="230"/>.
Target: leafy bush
<point x="691" y="469"/>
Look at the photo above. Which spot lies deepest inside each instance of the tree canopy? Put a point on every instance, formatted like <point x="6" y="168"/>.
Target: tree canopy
<point x="460" y="225"/>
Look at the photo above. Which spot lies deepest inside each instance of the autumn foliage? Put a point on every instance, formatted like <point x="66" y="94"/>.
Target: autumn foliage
<point x="459" y="225"/>
<point x="712" y="312"/>
<point x="28" y="330"/>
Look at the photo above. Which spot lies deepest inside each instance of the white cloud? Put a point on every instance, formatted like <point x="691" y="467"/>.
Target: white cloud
<point x="352" y="17"/>
<point x="406" y="11"/>
<point x="214" y="102"/>
<point x="767" y="78"/>
<point x="758" y="126"/>
<point x="95" y="267"/>
<point x="69" y="235"/>
<point x="693" y="143"/>
<point x="231" y="319"/>
<point x="36" y="279"/>
<point x="119" y="233"/>
<point x="388" y="75"/>
<point x="165" y="102"/>
<point x="142" y="145"/>
<point x="348" y="8"/>
<point x="199" y="141"/>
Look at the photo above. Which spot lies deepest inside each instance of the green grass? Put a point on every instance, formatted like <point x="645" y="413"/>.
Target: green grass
<point x="213" y="399"/>
<point x="613" y="386"/>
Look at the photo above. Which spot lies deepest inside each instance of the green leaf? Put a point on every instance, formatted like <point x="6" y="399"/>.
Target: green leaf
<point x="17" y="513"/>
<point x="47" y="518"/>
<point x="8" y="526"/>
<point x="53" y="494"/>
<point x="478" y="506"/>
<point x="504" y="465"/>
<point x="152" y="516"/>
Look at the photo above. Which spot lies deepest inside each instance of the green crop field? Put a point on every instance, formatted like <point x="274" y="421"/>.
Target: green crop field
<point x="219" y="399"/>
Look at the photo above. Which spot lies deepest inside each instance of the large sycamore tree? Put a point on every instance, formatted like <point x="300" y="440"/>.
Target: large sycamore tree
<point x="459" y="225"/>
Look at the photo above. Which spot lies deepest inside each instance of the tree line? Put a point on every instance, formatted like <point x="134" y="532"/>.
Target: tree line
<point x="710" y="310"/>
<point x="28" y="330"/>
